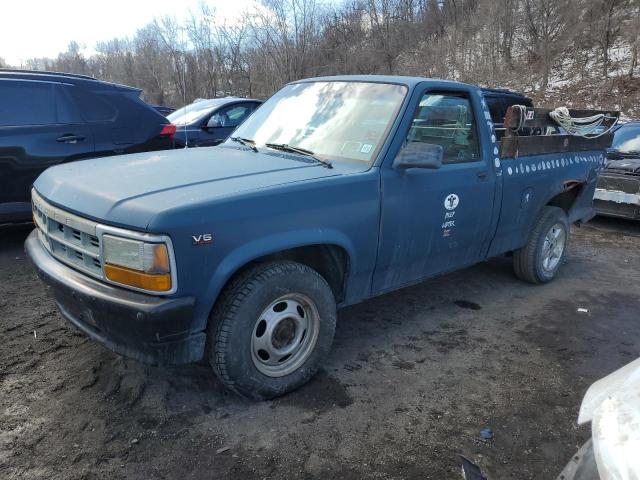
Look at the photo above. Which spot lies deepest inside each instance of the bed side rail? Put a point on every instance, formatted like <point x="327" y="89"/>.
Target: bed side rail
<point x="531" y="131"/>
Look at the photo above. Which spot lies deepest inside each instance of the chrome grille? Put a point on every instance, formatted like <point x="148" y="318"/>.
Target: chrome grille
<point x="68" y="237"/>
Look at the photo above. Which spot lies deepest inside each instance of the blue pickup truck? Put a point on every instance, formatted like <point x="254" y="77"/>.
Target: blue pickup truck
<point x="336" y="190"/>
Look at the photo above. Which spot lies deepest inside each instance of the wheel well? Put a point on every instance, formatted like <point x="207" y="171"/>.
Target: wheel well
<point x="566" y="199"/>
<point x="330" y="261"/>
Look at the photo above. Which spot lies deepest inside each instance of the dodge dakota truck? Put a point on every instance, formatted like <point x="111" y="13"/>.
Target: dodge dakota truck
<point x="336" y="190"/>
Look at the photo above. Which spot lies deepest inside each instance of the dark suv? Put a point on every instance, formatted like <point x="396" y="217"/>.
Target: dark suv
<point x="49" y="118"/>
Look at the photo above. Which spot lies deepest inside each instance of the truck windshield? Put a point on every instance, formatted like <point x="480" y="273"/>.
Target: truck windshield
<point x="337" y="120"/>
<point x="627" y="138"/>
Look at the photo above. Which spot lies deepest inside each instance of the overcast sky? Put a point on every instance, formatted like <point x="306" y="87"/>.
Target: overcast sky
<point x="43" y="28"/>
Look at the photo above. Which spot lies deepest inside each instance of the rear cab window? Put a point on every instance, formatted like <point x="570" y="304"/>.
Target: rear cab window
<point x="498" y="105"/>
<point x="497" y="109"/>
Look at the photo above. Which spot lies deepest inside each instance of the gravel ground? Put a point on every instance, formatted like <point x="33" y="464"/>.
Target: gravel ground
<point x="412" y="379"/>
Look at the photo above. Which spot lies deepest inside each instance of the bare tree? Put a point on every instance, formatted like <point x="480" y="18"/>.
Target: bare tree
<point x="633" y="35"/>
<point x="72" y="60"/>
<point x="524" y="44"/>
<point x="173" y="40"/>
<point x="547" y="24"/>
<point x="605" y="24"/>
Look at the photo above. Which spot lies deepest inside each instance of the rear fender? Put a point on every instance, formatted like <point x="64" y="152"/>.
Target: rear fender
<point x="582" y="209"/>
<point x="575" y="197"/>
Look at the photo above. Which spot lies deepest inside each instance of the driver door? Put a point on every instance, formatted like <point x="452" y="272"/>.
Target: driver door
<point x="437" y="220"/>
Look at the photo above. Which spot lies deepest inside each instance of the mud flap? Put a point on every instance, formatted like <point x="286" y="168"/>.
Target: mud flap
<point x="582" y="210"/>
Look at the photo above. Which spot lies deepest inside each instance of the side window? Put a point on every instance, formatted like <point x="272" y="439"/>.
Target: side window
<point x="92" y="107"/>
<point x="447" y="119"/>
<point x="24" y="102"/>
<point x="66" y="109"/>
<point x="234" y="115"/>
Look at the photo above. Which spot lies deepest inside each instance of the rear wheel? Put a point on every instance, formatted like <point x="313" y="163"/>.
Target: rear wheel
<point x="540" y="259"/>
<point x="272" y="329"/>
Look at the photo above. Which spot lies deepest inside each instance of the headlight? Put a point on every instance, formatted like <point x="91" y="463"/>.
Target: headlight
<point x="137" y="264"/>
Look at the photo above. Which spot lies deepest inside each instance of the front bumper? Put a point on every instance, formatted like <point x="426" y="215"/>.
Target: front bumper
<point x="150" y="329"/>
<point x="617" y="196"/>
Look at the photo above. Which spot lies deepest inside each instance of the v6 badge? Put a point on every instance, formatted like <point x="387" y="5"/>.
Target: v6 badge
<point x="202" y="239"/>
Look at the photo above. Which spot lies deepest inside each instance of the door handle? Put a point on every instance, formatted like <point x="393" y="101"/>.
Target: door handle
<point x="70" y="138"/>
<point x="482" y="175"/>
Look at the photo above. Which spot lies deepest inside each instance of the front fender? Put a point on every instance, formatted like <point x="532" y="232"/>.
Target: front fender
<point x="246" y="252"/>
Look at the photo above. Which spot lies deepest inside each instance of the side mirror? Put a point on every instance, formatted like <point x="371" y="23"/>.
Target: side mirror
<point x="419" y="155"/>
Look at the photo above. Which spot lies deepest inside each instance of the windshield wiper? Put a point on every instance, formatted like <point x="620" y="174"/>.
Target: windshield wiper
<point x="302" y="151"/>
<point x="247" y="142"/>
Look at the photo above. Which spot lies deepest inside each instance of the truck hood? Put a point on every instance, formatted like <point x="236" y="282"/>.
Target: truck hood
<point x="131" y="190"/>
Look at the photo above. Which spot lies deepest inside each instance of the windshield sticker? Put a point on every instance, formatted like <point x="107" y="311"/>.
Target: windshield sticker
<point x="366" y="148"/>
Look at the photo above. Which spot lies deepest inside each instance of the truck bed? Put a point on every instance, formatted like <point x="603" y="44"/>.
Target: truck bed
<point x="540" y="167"/>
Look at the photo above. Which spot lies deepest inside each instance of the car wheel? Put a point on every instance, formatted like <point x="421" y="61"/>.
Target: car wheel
<point x="540" y="259"/>
<point x="272" y="329"/>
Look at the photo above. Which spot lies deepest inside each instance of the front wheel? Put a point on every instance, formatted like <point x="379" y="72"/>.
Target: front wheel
<point x="272" y="329"/>
<point x="540" y="259"/>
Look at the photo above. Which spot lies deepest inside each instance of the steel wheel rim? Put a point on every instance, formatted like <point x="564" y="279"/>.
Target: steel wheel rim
<point x="285" y="335"/>
<point x="553" y="247"/>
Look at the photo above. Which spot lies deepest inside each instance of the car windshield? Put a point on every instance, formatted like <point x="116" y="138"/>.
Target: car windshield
<point x="338" y="120"/>
<point x="191" y="113"/>
<point x="627" y="138"/>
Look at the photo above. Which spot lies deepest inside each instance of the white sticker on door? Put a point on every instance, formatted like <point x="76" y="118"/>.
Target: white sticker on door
<point x="451" y="201"/>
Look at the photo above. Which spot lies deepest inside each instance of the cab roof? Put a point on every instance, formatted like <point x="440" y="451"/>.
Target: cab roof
<point x="397" y="79"/>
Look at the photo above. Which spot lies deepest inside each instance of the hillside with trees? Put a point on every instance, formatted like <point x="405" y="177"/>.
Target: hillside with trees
<point x="573" y="52"/>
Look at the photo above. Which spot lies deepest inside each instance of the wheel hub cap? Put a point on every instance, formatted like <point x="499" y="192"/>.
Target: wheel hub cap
<point x="285" y="335"/>
<point x="553" y="247"/>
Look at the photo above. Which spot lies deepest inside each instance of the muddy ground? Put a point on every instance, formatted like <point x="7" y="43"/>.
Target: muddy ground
<point x="413" y="378"/>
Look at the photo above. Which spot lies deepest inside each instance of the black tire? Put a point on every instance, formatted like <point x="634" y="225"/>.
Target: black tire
<point x="528" y="261"/>
<point x="234" y="321"/>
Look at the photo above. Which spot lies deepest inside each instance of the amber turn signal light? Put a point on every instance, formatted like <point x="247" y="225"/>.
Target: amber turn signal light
<point x="134" y="278"/>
